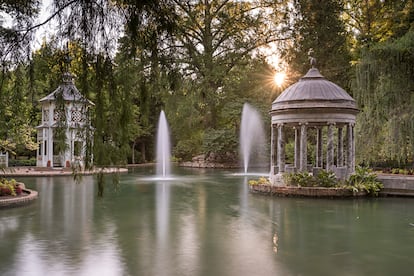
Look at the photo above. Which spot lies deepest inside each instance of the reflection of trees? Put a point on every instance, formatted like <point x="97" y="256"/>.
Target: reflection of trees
<point x="208" y="225"/>
<point x="10" y="223"/>
<point x="57" y="230"/>
<point x="330" y="235"/>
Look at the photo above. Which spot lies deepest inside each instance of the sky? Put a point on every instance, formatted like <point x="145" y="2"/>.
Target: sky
<point x="45" y="11"/>
<point x="43" y="31"/>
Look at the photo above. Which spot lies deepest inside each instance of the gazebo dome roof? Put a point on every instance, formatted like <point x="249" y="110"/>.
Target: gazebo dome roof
<point x="314" y="91"/>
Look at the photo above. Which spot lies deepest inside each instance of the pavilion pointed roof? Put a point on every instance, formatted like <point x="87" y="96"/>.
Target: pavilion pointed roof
<point x="67" y="90"/>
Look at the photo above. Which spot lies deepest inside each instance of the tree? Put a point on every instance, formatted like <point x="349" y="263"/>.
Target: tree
<point x="16" y="129"/>
<point x="317" y="25"/>
<point x="214" y="36"/>
<point x="14" y="126"/>
<point x="372" y="21"/>
<point x="188" y="60"/>
<point x="384" y="89"/>
<point x="14" y="36"/>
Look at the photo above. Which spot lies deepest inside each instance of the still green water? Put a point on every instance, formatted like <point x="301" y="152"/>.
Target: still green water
<point x="203" y="222"/>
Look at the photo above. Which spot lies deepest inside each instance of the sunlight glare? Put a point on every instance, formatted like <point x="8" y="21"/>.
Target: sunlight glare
<point x="279" y="78"/>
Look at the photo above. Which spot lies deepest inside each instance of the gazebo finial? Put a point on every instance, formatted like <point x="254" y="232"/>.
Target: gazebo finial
<point x="67" y="59"/>
<point x="67" y="76"/>
<point x="311" y="58"/>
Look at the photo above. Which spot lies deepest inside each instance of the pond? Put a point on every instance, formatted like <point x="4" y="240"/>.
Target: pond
<point x="202" y="222"/>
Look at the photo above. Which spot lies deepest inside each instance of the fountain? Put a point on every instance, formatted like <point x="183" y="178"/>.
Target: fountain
<point x="207" y="224"/>
<point x="163" y="147"/>
<point x="252" y="135"/>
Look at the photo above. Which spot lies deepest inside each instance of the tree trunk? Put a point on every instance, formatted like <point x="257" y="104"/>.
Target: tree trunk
<point x="133" y="153"/>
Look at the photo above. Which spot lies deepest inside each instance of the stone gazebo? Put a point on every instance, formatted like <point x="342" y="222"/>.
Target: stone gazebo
<point x="67" y="108"/>
<point x="315" y="106"/>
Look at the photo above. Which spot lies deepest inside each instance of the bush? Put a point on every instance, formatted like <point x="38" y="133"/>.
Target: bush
<point x="364" y="179"/>
<point x="260" y="181"/>
<point x="326" y="179"/>
<point x="395" y="171"/>
<point x="220" y="142"/>
<point x="185" y="149"/>
<point x="22" y="162"/>
<point x="8" y="187"/>
<point x="302" y="179"/>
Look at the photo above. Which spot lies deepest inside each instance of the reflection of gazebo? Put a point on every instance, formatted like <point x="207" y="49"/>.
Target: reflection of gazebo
<point x="314" y="103"/>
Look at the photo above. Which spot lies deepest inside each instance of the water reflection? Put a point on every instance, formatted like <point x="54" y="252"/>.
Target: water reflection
<point x="62" y="236"/>
<point x="8" y="224"/>
<point x="162" y="226"/>
<point x="205" y="224"/>
<point x="163" y="209"/>
<point x="275" y="239"/>
<point x="37" y="257"/>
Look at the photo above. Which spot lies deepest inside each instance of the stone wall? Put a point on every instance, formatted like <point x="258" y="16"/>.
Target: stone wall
<point x="398" y="185"/>
<point x="293" y="191"/>
<point x="394" y="185"/>
<point x="212" y="161"/>
<point x="205" y="164"/>
<point x="27" y="197"/>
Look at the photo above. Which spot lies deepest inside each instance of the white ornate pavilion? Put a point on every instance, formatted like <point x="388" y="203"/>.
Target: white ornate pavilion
<point x="67" y="109"/>
<point x="318" y="106"/>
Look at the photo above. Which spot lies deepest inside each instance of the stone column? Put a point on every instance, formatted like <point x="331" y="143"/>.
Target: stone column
<point x="351" y="148"/>
<point x="272" y="149"/>
<point x="330" y="147"/>
<point x="280" y="148"/>
<point x="319" y="149"/>
<point x="303" y="147"/>
<point x="340" y="154"/>
<point x="297" y="148"/>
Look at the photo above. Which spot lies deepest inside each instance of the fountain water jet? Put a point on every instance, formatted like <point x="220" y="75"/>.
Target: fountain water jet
<point x="252" y="136"/>
<point x="163" y="147"/>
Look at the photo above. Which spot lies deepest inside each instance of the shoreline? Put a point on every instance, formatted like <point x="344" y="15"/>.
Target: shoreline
<point x="40" y="171"/>
<point x="27" y="196"/>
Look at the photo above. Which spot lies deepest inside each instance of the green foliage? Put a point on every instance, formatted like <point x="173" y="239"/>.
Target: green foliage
<point x="22" y="162"/>
<point x="219" y="141"/>
<point x="260" y="181"/>
<point x="8" y="187"/>
<point x="377" y="21"/>
<point x="59" y="133"/>
<point x="317" y="25"/>
<point x="326" y="179"/>
<point x="301" y="179"/>
<point x="186" y="149"/>
<point x="401" y="171"/>
<point x="364" y="179"/>
<point x="211" y="39"/>
<point x="194" y="59"/>
<point x="383" y="90"/>
<point x="15" y="109"/>
<point x="13" y="41"/>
